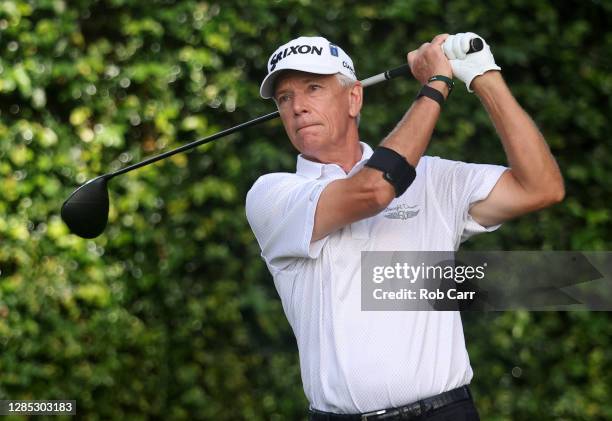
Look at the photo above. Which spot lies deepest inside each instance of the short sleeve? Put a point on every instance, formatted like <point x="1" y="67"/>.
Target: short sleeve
<point x="280" y="208"/>
<point x="458" y="185"/>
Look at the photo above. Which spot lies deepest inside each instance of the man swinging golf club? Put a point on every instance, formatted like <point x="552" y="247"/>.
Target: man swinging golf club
<point x="313" y="224"/>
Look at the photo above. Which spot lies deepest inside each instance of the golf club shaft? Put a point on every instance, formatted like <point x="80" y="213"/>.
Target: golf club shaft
<point x="389" y="74"/>
<point x="195" y="143"/>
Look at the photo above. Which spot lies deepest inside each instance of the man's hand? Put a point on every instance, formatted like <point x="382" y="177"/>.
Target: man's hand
<point x="468" y="66"/>
<point x="429" y="60"/>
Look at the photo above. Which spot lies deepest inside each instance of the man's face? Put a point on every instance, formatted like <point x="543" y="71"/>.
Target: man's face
<point x="317" y="112"/>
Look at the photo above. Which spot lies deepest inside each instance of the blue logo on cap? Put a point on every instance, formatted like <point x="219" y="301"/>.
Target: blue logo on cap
<point x="333" y="50"/>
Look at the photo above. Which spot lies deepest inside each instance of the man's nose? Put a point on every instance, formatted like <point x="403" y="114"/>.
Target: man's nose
<point x="300" y="104"/>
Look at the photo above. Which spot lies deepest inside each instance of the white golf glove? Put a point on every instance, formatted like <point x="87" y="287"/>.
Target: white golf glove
<point x="467" y="66"/>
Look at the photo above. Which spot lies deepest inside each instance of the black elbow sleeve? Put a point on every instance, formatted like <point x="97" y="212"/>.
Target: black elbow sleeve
<point x="396" y="170"/>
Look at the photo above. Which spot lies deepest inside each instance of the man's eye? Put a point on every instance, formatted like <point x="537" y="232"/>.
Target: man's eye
<point x="314" y="87"/>
<point x="282" y="98"/>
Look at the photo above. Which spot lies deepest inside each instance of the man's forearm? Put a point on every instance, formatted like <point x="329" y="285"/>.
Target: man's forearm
<point x="531" y="162"/>
<point x="412" y="134"/>
<point x="410" y="139"/>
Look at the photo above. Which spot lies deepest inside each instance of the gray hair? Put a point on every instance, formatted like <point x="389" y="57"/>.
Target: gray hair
<point x="344" y="80"/>
<point x="347" y="82"/>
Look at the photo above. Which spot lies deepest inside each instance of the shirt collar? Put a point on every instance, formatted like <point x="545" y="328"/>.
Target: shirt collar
<point x="311" y="169"/>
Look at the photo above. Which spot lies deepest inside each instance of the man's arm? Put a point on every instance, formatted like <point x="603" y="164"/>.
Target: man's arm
<point x="367" y="193"/>
<point x="534" y="180"/>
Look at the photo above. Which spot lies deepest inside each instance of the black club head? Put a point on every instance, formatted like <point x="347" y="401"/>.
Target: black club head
<point x="86" y="210"/>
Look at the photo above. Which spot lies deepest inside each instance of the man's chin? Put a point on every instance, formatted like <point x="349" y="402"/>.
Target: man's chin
<point x="313" y="145"/>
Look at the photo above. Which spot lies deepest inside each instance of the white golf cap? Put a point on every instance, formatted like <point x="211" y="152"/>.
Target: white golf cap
<point x="308" y="54"/>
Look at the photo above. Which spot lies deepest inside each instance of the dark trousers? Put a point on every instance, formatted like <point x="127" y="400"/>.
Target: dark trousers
<point x="458" y="411"/>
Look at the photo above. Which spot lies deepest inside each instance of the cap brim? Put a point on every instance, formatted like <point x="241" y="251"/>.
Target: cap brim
<point x="266" y="91"/>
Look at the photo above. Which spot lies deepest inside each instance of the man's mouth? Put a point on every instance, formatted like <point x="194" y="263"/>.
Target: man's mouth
<point x="306" y="126"/>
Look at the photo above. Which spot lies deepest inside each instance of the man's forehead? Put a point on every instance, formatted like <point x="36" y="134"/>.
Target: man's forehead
<point x="288" y="76"/>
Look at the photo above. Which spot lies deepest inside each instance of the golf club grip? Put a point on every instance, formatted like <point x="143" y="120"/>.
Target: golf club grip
<point x="403" y="70"/>
<point x="476" y="44"/>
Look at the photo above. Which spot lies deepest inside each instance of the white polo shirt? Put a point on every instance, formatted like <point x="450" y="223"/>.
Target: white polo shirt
<point x="359" y="361"/>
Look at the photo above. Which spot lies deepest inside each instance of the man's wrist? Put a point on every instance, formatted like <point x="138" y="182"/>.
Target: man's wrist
<point x="488" y="80"/>
<point x="431" y="93"/>
<point x="450" y="84"/>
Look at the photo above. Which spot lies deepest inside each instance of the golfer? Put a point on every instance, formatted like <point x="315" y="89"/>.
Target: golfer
<point x="343" y="198"/>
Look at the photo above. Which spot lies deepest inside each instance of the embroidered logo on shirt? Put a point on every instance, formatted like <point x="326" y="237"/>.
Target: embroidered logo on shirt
<point x="401" y="211"/>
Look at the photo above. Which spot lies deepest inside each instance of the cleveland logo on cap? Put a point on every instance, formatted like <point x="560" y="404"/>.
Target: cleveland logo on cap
<point x="296" y="49"/>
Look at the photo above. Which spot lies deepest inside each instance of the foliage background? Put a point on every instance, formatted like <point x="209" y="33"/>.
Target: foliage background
<point x="171" y="313"/>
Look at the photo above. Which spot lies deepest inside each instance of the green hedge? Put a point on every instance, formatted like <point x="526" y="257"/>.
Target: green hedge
<point x="171" y="313"/>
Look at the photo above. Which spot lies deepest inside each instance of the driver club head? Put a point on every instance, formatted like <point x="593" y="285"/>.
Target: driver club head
<point x="86" y="210"/>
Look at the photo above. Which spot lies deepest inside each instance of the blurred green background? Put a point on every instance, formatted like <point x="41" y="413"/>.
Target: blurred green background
<point x="171" y="313"/>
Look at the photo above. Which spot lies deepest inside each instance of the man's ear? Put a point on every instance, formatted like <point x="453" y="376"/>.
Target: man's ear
<point x="355" y="99"/>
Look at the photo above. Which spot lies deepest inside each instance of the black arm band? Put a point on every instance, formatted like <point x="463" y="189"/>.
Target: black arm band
<point x="449" y="82"/>
<point x="431" y="93"/>
<point x="396" y="170"/>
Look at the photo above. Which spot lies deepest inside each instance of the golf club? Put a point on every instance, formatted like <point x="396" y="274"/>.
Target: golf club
<point x="85" y="212"/>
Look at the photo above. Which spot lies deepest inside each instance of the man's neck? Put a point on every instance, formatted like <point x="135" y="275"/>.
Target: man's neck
<point x="345" y="160"/>
<point x="345" y="157"/>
